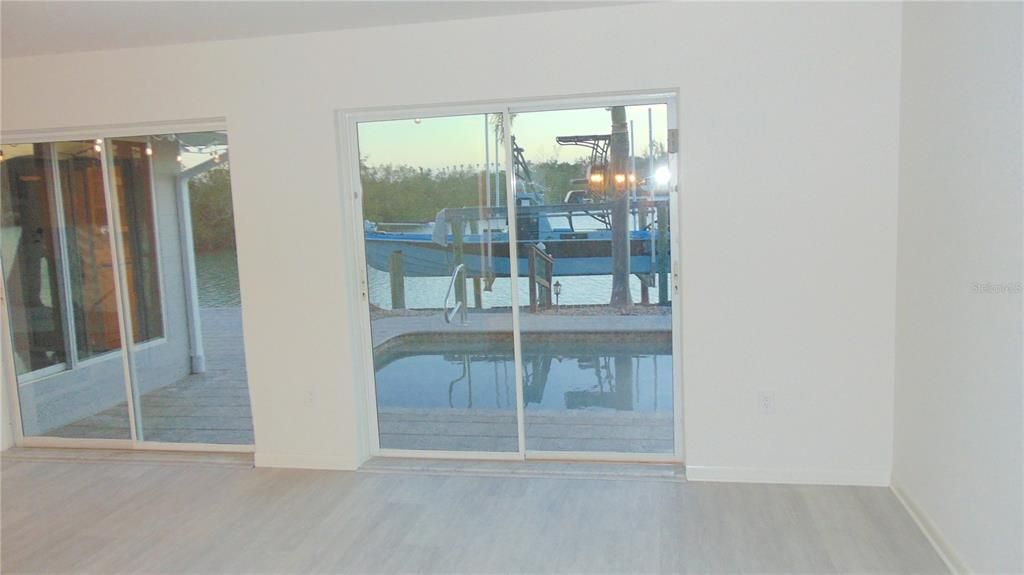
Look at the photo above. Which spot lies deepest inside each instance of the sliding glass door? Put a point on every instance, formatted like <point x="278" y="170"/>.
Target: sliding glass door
<point x="175" y="217"/>
<point x="593" y="221"/>
<point x="116" y="332"/>
<point x="439" y="292"/>
<point x="60" y="281"/>
<point x="519" y="280"/>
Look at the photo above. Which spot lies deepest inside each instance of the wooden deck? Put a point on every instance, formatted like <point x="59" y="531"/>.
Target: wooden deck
<point x="211" y="407"/>
<point x="492" y="430"/>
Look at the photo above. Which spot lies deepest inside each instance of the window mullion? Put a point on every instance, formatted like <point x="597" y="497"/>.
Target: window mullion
<point x="63" y="262"/>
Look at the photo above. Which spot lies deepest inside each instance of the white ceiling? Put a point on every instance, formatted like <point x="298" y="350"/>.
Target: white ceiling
<point x="30" y="28"/>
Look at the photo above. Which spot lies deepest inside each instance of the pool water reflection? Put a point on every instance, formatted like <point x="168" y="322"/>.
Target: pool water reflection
<point x="581" y="394"/>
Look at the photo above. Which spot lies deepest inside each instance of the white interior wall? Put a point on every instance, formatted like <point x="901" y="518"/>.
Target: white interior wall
<point x="788" y="126"/>
<point x="6" y="393"/>
<point x="958" y="435"/>
<point x="6" y="430"/>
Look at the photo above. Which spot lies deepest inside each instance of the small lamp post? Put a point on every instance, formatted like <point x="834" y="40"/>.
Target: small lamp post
<point x="558" y="292"/>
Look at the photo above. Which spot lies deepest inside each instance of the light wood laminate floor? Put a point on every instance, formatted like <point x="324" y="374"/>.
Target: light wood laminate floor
<point x="152" y="515"/>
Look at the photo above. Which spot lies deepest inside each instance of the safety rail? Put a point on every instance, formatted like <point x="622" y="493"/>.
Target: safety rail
<point x="459" y="307"/>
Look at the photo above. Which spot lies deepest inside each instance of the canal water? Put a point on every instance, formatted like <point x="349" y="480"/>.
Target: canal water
<point x="218" y="287"/>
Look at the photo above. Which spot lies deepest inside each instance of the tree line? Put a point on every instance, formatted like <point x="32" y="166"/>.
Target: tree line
<point x="403" y="193"/>
<point x="213" y="216"/>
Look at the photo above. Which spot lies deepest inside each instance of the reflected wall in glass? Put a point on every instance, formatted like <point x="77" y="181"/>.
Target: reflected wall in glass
<point x="32" y="270"/>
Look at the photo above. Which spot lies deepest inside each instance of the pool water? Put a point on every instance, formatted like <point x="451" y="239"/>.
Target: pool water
<point x="217" y="278"/>
<point x="557" y="376"/>
<point x="597" y="392"/>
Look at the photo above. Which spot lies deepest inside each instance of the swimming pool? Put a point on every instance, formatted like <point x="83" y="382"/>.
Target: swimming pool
<point x="582" y="392"/>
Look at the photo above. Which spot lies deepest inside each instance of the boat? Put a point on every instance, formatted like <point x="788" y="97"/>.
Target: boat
<point x="575" y="251"/>
<point x="576" y="235"/>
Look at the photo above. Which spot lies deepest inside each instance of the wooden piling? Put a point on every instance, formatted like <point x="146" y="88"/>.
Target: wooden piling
<point x="664" y="261"/>
<point x="396" y="266"/>
<point x="642" y="207"/>
<point x="541" y="273"/>
<point x="532" y="259"/>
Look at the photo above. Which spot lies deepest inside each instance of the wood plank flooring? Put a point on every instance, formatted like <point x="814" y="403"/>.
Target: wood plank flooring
<point x="151" y="516"/>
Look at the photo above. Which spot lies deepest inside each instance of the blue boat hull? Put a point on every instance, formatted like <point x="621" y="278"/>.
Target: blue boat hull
<point x="574" y="254"/>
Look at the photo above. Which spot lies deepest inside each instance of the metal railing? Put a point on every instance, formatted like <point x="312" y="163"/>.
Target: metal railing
<point x="459" y="307"/>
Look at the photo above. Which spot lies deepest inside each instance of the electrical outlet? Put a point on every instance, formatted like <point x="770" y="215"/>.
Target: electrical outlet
<point x="766" y="402"/>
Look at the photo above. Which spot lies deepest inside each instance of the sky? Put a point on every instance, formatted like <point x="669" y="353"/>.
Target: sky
<point x="456" y="140"/>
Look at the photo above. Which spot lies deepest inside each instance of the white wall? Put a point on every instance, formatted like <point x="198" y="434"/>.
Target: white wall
<point x="788" y="123"/>
<point x="6" y="430"/>
<point x="7" y="394"/>
<point x="958" y="345"/>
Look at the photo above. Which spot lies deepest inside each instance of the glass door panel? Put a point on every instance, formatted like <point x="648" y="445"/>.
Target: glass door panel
<point x="58" y="274"/>
<point x="125" y="240"/>
<point x="592" y="210"/>
<point x="437" y="262"/>
<point x="132" y="173"/>
<point x="90" y="260"/>
<point x="32" y="273"/>
<point x="181" y="278"/>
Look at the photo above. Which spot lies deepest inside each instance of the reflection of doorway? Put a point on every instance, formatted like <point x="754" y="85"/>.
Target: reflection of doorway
<point x="573" y="286"/>
<point x="89" y="254"/>
<point x="132" y="169"/>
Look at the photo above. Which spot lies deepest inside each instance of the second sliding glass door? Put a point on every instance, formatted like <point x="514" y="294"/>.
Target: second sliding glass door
<point x="518" y="281"/>
<point x="123" y="309"/>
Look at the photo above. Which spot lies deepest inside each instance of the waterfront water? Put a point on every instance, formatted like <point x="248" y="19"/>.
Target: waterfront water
<point x="565" y="376"/>
<point x="218" y="287"/>
<point x="218" y="279"/>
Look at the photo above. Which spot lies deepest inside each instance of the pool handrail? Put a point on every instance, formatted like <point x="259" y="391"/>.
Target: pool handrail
<point x="459" y="306"/>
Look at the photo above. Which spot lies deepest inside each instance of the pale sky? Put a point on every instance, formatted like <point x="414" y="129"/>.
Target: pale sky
<point x="454" y="140"/>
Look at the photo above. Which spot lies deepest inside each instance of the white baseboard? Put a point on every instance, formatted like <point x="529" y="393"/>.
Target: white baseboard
<point x="942" y="547"/>
<point x="878" y="478"/>
<point x="297" y="461"/>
